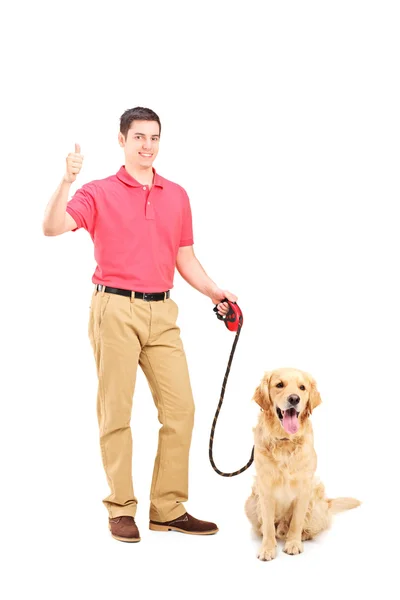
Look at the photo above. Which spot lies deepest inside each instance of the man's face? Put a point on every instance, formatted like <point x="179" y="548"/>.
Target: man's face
<point x="141" y="143"/>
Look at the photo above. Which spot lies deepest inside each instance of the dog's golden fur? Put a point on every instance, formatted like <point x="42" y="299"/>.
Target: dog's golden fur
<point x="287" y="501"/>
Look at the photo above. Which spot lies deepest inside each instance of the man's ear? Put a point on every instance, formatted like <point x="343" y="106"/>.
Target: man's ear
<point x="261" y="394"/>
<point x="121" y="139"/>
<point x="315" y="397"/>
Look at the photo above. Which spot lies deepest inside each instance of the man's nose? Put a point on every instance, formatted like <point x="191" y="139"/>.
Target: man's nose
<point x="293" y="399"/>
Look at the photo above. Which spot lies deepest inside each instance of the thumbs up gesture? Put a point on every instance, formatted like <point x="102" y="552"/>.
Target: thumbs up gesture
<point x="74" y="164"/>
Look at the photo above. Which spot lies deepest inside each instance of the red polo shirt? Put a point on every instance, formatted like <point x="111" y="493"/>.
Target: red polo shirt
<point x="136" y="232"/>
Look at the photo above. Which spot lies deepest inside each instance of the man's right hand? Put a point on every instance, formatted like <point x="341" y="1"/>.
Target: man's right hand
<point x="74" y="164"/>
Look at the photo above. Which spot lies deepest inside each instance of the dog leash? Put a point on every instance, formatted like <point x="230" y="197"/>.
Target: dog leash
<point x="234" y="322"/>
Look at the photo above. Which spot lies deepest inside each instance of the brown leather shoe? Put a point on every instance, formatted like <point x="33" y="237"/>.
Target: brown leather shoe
<point x="124" y="529"/>
<point x="185" y="524"/>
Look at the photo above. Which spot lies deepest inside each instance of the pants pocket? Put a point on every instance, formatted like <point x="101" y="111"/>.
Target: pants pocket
<point x="97" y="311"/>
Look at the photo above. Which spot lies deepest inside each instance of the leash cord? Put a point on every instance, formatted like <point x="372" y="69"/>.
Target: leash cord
<point x="210" y="454"/>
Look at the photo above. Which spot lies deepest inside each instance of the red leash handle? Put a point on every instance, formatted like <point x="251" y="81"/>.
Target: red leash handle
<point x="234" y="318"/>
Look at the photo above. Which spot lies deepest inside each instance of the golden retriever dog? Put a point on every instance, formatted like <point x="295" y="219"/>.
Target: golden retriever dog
<point x="287" y="502"/>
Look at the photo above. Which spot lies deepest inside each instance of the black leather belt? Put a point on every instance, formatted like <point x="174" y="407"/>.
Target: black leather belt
<point x="149" y="297"/>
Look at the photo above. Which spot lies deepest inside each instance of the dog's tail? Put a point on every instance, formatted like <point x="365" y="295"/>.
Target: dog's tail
<point x="337" y="505"/>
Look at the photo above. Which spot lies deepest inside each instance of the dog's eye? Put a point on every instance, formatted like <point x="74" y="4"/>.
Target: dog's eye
<point x="302" y="387"/>
<point x="280" y="384"/>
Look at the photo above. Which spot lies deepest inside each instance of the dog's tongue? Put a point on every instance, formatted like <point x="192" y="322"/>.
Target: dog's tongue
<point x="290" y="421"/>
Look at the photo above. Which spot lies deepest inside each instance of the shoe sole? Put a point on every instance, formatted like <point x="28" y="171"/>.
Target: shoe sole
<point x="124" y="539"/>
<point x="155" y="527"/>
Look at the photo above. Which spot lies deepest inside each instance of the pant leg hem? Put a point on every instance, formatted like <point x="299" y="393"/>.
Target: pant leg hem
<point x="163" y="517"/>
<point x="128" y="511"/>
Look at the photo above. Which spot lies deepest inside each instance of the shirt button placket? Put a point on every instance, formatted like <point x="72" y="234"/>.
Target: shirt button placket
<point x="149" y="211"/>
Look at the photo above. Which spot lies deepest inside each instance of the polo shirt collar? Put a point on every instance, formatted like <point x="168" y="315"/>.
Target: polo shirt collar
<point x="124" y="176"/>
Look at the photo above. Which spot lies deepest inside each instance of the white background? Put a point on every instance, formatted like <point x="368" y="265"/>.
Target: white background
<point x="281" y="120"/>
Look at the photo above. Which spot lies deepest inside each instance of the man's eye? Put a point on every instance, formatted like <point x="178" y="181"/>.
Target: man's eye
<point x="303" y="387"/>
<point x="279" y="385"/>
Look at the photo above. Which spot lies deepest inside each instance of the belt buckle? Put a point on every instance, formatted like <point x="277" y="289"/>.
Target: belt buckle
<point x="144" y="296"/>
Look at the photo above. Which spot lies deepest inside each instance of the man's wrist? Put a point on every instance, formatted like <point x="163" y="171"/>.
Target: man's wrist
<point x="65" y="181"/>
<point x="211" y="291"/>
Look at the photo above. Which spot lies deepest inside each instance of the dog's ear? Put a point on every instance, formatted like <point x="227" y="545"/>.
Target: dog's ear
<point x="261" y="394"/>
<point x="315" y="397"/>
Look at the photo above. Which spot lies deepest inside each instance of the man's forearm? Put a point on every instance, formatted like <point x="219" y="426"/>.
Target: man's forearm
<point x="54" y="216"/>
<point x="192" y="272"/>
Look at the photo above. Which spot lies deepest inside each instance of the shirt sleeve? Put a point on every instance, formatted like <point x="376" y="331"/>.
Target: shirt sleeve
<point x="187" y="225"/>
<point x="82" y="208"/>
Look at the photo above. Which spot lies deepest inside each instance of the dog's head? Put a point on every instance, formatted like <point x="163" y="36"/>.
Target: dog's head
<point x="288" y="396"/>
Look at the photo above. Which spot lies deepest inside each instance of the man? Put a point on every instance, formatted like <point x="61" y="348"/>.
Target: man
<point x="141" y="227"/>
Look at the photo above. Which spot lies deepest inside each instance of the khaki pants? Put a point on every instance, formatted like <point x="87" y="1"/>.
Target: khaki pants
<point x="124" y="332"/>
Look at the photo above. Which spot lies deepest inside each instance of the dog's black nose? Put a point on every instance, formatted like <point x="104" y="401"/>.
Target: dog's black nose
<point x="293" y="399"/>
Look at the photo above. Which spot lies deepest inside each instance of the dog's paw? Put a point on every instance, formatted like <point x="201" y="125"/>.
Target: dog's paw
<point x="266" y="553"/>
<point x="293" y="547"/>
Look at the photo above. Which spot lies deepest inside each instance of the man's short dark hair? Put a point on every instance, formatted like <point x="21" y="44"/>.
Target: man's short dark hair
<point x="137" y="114"/>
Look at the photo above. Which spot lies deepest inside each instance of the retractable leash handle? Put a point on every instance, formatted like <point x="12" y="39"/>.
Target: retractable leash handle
<point x="233" y="321"/>
<point x="234" y="318"/>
